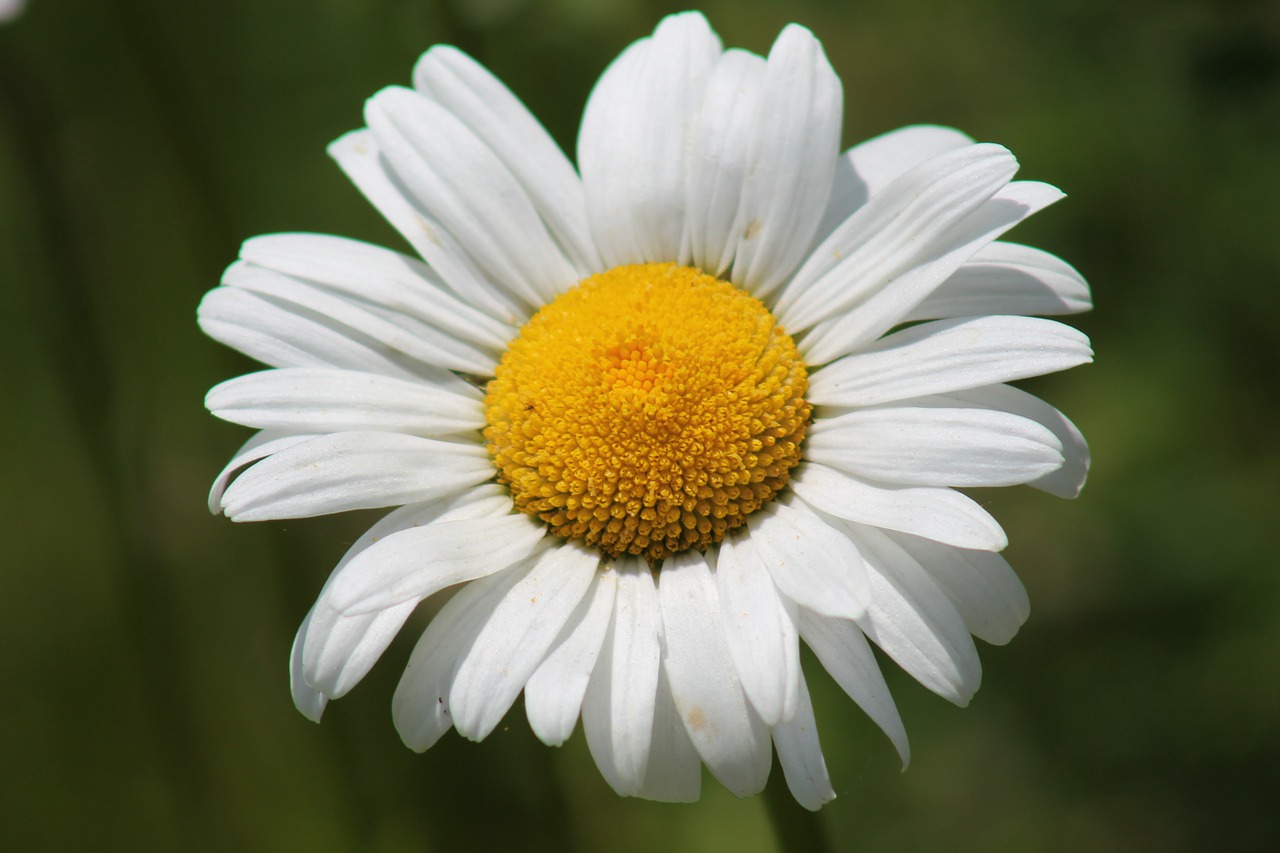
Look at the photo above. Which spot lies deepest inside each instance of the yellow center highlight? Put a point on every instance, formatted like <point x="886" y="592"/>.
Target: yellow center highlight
<point x="648" y="410"/>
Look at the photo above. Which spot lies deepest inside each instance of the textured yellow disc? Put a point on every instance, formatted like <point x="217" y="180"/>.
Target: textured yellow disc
<point x="648" y="410"/>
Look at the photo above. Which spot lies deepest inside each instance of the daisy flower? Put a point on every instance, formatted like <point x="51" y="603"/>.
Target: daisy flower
<point x="660" y="418"/>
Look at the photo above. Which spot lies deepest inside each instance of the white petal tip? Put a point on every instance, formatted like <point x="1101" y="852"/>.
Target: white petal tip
<point x="816" y="805"/>
<point x="352" y="142"/>
<point x="311" y="704"/>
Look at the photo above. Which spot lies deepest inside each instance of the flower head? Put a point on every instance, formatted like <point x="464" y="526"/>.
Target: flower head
<point x="662" y="417"/>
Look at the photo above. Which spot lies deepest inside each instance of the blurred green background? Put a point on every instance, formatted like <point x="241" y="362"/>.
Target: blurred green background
<point x="143" y="642"/>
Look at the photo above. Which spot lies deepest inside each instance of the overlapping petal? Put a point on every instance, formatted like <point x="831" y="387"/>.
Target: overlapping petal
<point x="934" y="446"/>
<point x="794" y="143"/>
<point x="553" y="696"/>
<point x="353" y="470"/>
<point x="949" y="355"/>
<point x="312" y="400"/>
<point x="728" y="162"/>
<point x="517" y="636"/>
<point x="759" y="625"/>
<point x="479" y="100"/>
<point x="618" y="709"/>
<point x="725" y="730"/>
<point x="632" y="148"/>
<point x="333" y="650"/>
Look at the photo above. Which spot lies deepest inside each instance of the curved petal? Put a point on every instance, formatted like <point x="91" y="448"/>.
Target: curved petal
<point x="720" y="160"/>
<point x="892" y="301"/>
<point x="914" y="622"/>
<point x="276" y="333"/>
<point x="317" y="400"/>
<point x="338" y="650"/>
<point x="943" y="515"/>
<point x="949" y="355"/>
<point x="554" y="693"/>
<point x="1065" y="482"/>
<point x="420" y="708"/>
<point x="632" y="146"/>
<point x="420" y="561"/>
<point x="796" y="140"/>
<point x="353" y="470"/>
<point x="309" y="701"/>
<point x="870" y="166"/>
<point x="892" y="231"/>
<point x="1007" y="278"/>
<point x="674" y="772"/>
<point x="985" y="591"/>
<point x="842" y="649"/>
<point x="933" y="446"/>
<point x="726" y="732"/>
<point x="358" y="155"/>
<point x="516" y="639"/>
<point x="260" y="446"/>
<point x="618" y="710"/>
<point x="800" y="755"/>
<point x="498" y="119"/>
<point x="464" y="186"/>
<point x="392" y="281"/>
<point x="759" y="629"/>
<point x="812" y="563"/>
<point x="398" y="338"/>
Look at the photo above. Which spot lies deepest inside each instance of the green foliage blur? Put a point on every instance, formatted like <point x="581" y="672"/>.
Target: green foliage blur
<point x="144" y="642"/>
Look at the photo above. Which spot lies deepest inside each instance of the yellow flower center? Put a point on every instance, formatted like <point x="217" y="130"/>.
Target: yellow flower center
<point x="648" y="410"/>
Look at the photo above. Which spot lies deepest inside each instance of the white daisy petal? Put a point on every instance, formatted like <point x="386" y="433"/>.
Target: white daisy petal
<point x="464" y="186"/>
<point x="943" y="515"/>
<point x="800" y="755"/>
<point x="362" y="160"/>
<point x="985" y="591"/>
<point x="793" y="158"/>
<point x="520" y="631"/>
<point x="814" y="564"/>
<point x="674" y="772"/>
<point x="918" y="446"/>
<point x="759" y="629"/>
<point x="911" y="219"/>
<point x="353" y="470"/>
<point x="319" y="400"/>
<point x="309" y="701"/>
<point x="415" y="563"/>
<point x="632" y="146"/>
<point x="842" y="649"/>
<point x="1006" y="278"/>
<point x="881" y="159"/>
<point x="338" y="650"/>
<point x="390" y="280"/>
<point x="869" y="167"/>
<point x="420" y="708"/>
<point x="553" y="696"/>
<point x="915" y="623"/>
<point x="725" y="730"/>
<point x="721" y="159"/>
<point x="1065" y="482"/>
<point x="342" y="649"/>
<point x="529" y="435"/>
<point x="618" y="709"/>
<point x="893" y="299"/>
<point x="400" y="339"/>
<point x="276" y="333"/>
<point x="498" y="119"/>
<point x="262" y="445"/>
<point x="949" y="355"/>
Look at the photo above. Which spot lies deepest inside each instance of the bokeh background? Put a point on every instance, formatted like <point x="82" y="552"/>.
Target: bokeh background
<point x="143" y="642"/>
